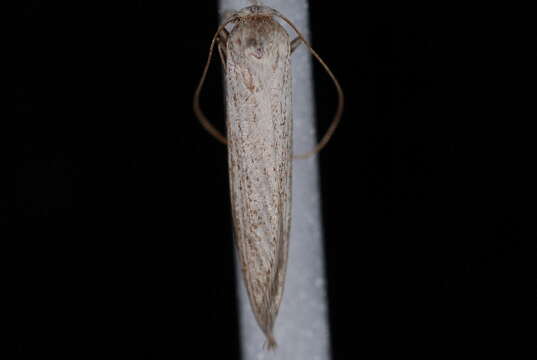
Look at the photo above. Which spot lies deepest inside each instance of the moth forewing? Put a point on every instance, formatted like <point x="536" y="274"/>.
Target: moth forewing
<point x="259" y="125"/>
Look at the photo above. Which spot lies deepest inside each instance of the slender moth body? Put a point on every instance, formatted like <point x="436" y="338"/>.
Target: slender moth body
<point x="256" y="55"/>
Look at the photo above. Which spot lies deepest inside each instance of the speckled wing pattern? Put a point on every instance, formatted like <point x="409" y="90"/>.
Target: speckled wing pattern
<point x="259" y="129"/>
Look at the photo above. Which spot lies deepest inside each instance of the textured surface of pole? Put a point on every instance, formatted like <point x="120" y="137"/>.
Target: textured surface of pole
<point x="301" y="328"/>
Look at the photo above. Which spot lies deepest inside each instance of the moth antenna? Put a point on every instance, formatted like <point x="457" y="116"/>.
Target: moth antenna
<point x="337" y="116"/>
<point x="196" y="102"/>
<point x="255" y="2"/>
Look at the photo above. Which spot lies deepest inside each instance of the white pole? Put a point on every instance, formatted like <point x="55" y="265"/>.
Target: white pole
<point x="301" y="328"/>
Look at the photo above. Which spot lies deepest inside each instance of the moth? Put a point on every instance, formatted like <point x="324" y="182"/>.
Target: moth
<point x="256" y="56"/>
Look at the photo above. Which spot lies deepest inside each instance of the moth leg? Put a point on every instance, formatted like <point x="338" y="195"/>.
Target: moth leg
<point x="295" y="43"/>
<point x="222" y="52"/>
<point x="222" y="41"/>
<point x="223" y="35"/>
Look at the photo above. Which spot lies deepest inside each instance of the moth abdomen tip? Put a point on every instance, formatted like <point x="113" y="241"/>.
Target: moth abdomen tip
<point x="270" y="343"/>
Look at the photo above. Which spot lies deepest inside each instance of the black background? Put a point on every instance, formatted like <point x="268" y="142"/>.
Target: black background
<point x="122" y="241"/>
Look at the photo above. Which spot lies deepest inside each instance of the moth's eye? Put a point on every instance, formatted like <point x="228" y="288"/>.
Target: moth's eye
<point x="254" y="48"/>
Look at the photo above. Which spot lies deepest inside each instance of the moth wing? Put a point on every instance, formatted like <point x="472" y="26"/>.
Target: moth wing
<point x="259" y="124"/>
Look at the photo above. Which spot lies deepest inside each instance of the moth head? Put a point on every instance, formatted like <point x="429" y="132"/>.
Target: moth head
<point x="256" y="34"/>
<point x="256" y="10"/>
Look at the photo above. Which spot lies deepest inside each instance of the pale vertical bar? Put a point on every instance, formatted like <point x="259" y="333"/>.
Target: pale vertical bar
<point x="301" y="328"/>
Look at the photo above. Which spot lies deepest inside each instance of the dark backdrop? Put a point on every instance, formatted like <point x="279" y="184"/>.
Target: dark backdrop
<point x="121" y="244"/>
